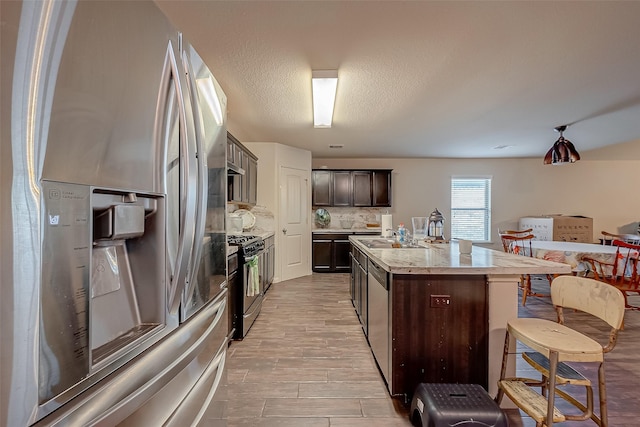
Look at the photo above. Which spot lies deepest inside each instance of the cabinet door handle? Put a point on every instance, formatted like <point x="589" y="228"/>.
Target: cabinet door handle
<point x="284" y="231"/>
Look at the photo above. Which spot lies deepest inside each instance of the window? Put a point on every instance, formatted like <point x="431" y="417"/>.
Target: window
<point x="471" y="208"/>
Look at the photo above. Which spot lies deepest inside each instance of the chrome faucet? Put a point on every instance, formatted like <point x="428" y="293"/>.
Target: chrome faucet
<point x="408" y="238"/>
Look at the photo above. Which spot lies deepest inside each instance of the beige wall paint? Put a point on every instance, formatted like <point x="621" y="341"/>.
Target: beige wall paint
<point x="605" y="190"/>
<point x="623" y="151"/>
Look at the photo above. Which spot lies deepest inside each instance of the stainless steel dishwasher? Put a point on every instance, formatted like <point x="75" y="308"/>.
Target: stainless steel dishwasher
<point x="379" y="317"/>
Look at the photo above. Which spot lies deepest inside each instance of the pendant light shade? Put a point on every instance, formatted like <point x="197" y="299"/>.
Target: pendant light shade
<point x="562" y="151"/>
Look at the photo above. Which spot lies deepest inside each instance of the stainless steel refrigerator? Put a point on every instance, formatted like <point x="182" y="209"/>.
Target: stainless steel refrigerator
<point x="113" y="296"/>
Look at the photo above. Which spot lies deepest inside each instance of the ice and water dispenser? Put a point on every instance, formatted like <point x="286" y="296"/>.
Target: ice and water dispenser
<point x="104" y="279"/>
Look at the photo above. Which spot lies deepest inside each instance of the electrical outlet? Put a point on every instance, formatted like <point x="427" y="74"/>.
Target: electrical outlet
<point x="440" y="301"/>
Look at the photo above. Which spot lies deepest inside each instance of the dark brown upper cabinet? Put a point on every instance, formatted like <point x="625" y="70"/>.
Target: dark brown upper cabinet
<point x="359" y="188"/>
<point x="321" y="188"/>
<point x="342" y="188"/>
<point x="242" y="187"/>
<point x="381" y="192"/>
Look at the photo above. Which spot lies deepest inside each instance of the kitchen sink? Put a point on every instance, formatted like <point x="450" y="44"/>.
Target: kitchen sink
<point x="386" y="243"/>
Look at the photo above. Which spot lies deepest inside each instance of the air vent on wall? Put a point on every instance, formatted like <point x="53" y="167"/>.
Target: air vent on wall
<point x="336" y="146"/>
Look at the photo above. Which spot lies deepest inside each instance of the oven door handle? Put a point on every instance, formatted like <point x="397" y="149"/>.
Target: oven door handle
<point x="256" y="307"/>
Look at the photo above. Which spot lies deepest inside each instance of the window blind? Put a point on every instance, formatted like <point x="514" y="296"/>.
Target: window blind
<point x="471" y="208"/>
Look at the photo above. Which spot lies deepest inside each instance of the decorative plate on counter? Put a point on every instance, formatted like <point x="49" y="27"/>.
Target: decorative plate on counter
<point x="248" y="219"/>
<point x="322" y="218"/>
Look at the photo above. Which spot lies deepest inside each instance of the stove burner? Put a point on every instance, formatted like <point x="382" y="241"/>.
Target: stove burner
<point x="248" y="245"/>
<point x="239" y="240"/>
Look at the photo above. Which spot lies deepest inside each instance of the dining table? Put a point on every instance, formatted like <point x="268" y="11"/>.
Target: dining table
<point x="572" y="253"/>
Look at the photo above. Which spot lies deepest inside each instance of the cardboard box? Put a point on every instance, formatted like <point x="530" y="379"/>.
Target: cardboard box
<point x="562" y="228"/>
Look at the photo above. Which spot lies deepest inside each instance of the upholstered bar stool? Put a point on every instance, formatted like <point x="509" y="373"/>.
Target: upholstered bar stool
<point x="554" y="344"/>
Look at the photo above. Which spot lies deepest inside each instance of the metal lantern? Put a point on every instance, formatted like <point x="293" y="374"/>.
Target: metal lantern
<point x="435" y="226"/>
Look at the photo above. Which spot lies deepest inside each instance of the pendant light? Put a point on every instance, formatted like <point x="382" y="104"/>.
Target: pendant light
<point x="562" y="150"/>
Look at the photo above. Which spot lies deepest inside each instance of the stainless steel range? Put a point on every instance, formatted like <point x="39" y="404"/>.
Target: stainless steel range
<point x="249" y="296"/>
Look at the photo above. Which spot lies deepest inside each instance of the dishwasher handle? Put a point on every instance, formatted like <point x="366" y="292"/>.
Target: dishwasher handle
<point x="379" y="273"/>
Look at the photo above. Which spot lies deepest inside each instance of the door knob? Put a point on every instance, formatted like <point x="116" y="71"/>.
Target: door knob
<point x="284" y="231"/>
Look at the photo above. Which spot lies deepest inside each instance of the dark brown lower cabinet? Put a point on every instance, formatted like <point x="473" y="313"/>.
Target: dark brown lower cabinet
<point x="359" y="286"/>
<point x="322" y="254"/>
<point x="436" y="341"/>
<point x="232" y="285"/>
<point x="330" y="253"/>
<point x="363" y="295"/>
<point x="342" y="249"/>
<point x="353" y="279"/>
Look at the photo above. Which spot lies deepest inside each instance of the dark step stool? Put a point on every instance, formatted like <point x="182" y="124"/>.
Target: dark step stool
<point x="463" y="405"/>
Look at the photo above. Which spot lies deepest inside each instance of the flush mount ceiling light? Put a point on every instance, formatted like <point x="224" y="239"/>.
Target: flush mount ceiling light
<point x="562" y="151"/>
<point x="324" y="84"/>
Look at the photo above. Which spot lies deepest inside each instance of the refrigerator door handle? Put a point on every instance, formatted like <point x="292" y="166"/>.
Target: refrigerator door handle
<point x="188" y="181"/>
<point x="202" y="188"/>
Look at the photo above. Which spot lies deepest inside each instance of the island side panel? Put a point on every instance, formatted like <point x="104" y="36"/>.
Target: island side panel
<point x="443" y="343"/>
<point x="503" y="305"/>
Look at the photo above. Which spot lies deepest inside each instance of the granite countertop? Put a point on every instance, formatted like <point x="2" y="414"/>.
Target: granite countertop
<point x="377" y="230"/>
<point x="444" y="258"/>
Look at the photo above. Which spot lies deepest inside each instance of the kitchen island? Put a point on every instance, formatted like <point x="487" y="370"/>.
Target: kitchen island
<point x="432" y="314"/>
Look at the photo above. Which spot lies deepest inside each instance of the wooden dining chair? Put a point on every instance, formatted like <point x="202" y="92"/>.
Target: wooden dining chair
<point x="622" y="272"/>
<point x="608" y="238"/>
<point x="518" y="242"/>
<point x="555" y="344"/>
<point x="506" y="242"/>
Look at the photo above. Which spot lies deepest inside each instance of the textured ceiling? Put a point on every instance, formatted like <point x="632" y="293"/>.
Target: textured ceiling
<point x="424" y="79"/>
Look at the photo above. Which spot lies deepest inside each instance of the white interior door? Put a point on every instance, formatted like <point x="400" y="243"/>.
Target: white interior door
<point x="295" y="239"/>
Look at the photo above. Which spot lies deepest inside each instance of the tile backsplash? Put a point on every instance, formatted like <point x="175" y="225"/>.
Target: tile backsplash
<point x="359" y="216"/>
<point x="265" y="221"/>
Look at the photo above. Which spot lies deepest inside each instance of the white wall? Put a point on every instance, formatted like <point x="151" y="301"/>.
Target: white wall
<point x="604" y="190"/>
<point x="270" y="157"/>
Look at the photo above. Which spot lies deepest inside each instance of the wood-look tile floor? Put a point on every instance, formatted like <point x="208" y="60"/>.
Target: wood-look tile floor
<point x="306" y="362"/>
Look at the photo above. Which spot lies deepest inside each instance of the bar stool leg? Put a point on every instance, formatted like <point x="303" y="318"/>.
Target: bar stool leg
<point x="603" y="397"/>
<point x="526" y="287"/>
<point x="503" y="368"/>
<point x="551" y="390"/>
